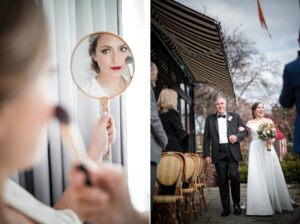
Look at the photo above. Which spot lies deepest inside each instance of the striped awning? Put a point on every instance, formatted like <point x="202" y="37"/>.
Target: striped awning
<point x="198" y="41"/>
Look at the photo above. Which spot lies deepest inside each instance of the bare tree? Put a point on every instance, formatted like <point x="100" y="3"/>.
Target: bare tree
<point x="248" y="69"/>
<point x="247" y="66"/>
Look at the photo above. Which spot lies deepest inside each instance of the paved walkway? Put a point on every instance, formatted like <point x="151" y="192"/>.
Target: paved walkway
<point x="213" y="213"/>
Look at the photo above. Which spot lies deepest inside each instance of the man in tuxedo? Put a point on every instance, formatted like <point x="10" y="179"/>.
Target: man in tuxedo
<point x="221" y="144"/>
<point x="159" y="139"/>
<point x="290" y="94"/>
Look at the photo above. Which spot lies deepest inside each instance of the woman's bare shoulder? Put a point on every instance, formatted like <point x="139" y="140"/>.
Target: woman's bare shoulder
<point x="268" y="120"/>
<point x="250" y="121"/>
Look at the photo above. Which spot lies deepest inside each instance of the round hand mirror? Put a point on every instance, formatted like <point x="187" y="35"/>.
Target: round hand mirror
<point x="102" y="66"/>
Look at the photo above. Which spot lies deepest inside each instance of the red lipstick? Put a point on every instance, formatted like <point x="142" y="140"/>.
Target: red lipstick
<point x="116" y="68"/>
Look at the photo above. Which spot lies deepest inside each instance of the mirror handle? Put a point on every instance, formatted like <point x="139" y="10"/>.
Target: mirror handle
<point x="105" y="104"/>
<point x="106" y="108"/>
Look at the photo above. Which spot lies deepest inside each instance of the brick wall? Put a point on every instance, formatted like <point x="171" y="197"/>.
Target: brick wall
<point x="210" y="176"/>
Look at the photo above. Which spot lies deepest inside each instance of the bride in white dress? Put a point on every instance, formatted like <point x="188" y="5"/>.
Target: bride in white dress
<point x="267" y="192"/>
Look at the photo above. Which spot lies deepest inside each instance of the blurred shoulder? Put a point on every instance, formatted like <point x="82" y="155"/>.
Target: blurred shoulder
<point x="249" y="122"/>
<point x="293" y="63"/>
<point x="291" y="69"/>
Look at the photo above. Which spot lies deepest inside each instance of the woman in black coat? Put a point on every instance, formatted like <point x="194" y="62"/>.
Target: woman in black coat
<point x="167" y="106"/>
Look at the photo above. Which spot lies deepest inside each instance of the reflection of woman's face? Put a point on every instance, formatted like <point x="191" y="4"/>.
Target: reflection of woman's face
<point x="110" y="55"/>
<point x="24" y="119"/>
<point x="260" y="110"/>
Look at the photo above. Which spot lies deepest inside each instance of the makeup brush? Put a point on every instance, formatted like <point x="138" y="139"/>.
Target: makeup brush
<point x="129" y="62"/>
<point x="73" y="142"/>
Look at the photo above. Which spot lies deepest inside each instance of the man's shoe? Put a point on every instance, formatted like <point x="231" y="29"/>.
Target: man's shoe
<point x="225" y="213"/>
<point x="237" y="209"/>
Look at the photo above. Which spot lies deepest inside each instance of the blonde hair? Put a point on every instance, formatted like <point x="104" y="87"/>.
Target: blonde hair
<point x="23" y="45"/>
<point x="167" y="100"/>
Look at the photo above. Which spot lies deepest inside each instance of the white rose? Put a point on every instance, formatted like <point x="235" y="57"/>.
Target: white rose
<point x="264" y="132"/>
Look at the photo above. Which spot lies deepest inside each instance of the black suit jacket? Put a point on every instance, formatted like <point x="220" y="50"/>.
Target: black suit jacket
<point x="211" y="136"/>
<point x="177" y="137"/>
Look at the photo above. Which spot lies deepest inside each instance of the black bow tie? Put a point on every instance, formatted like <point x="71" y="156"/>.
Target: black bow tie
<point x="219" y="115"/>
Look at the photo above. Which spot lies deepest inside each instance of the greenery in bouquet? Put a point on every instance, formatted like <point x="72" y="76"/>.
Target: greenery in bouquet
<point x="266" y="131"/>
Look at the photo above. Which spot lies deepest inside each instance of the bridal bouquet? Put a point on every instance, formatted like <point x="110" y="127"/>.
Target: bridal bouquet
<point x="265" y="132"/>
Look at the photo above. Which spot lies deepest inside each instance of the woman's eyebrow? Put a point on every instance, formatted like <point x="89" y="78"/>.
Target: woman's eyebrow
<point x="105" y="46"/>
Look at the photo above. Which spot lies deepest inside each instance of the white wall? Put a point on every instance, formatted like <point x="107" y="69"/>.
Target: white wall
<point x="136" y="32"/>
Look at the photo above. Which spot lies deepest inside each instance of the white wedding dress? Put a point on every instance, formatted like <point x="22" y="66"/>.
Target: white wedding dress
<point x="266" y="188"/>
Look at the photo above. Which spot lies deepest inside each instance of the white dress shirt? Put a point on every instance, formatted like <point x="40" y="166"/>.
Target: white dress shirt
<point x="222" y="125"/>
<point x="22" y="201"/>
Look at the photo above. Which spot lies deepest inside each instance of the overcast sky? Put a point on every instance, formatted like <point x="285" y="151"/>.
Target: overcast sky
<point x="282" y="18"/>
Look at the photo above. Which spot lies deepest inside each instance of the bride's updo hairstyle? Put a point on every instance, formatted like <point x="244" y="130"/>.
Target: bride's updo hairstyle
<point x="254" y="106"/>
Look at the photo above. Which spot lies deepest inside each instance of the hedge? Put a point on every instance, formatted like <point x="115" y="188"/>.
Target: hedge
<point x="291" y="172"/>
